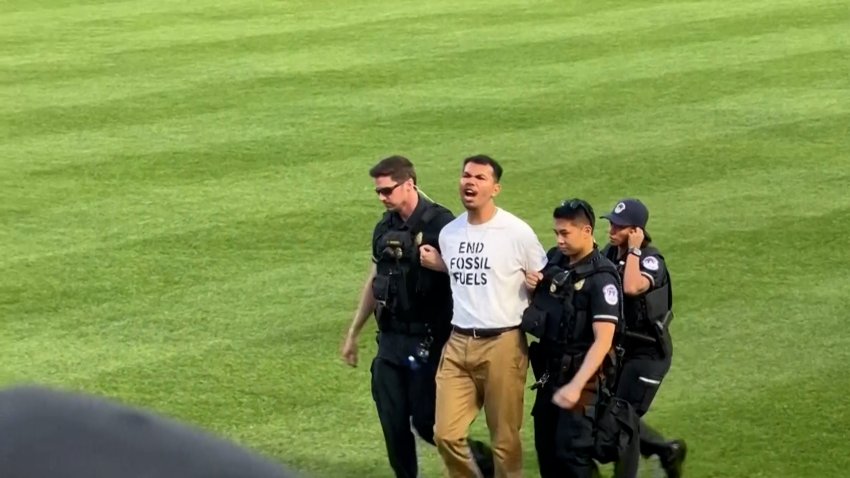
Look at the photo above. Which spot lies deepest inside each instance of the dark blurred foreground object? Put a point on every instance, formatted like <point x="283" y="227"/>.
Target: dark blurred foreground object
<point x="50" y="433"/>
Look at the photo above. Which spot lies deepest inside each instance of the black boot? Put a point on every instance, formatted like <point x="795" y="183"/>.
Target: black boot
<point x="483" y="456"/>
<point x="673" y="458"/>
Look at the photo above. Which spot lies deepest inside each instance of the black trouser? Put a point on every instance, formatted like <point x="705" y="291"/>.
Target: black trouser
<point x="404" y="395"/>
<point x="638" y="385"/>
<point x="563" y="438"/>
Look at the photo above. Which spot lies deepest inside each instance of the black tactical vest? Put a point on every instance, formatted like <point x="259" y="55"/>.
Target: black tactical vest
<point x="559" y="313"/>
<point x="398" y="282"/>
<point x="643" y="311"/>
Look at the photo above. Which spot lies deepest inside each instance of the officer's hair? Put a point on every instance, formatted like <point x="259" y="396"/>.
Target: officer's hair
<point x="483" y="159"/>
<point x="397" y="167"/>
<point x="577" y="211"/>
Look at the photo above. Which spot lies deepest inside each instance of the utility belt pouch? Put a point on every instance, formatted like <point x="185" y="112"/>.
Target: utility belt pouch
<point x="398" y="288"/>
<point x="616" y="428"/>
<point x="533" y="321"/>
<point x="381" y="288"/>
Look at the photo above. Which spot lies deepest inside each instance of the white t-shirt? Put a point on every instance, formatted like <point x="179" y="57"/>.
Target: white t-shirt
<point x="486" y="266"/>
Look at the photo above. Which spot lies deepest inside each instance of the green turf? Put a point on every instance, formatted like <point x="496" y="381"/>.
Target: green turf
<point x="185" y="212"/>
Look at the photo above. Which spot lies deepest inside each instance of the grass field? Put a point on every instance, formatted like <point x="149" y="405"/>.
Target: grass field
<point x="185" y="210"/>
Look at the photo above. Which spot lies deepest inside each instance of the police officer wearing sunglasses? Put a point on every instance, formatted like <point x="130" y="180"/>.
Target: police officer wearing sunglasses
<point x="413" y="307"/>
<point x="648" y="312"/>
<point x="576" y="312"/>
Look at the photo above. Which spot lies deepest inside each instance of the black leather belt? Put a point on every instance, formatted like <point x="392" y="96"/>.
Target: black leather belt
<point x="483" y="333"/>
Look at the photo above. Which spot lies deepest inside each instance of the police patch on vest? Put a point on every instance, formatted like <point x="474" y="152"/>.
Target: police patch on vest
<point x="611" y="295"/>
<point x="578" y="285"/>
<point x="651" y="263"/>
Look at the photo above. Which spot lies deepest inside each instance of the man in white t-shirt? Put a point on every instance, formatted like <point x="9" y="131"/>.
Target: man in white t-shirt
<point x="486" y="252"/>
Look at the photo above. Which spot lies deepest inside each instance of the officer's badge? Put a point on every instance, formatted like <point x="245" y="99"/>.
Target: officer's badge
<point x="553" y="288"/>
<point x="611" y="294"/>
<point x="418" y="239"/>
<point x="651" y="263"/>
<point x="578" y="285"/>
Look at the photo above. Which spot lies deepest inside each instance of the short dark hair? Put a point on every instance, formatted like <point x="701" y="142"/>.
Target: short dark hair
<point x="573" y="209"/>
<point x="397" y="167"/>
<point x="486" y="160"/>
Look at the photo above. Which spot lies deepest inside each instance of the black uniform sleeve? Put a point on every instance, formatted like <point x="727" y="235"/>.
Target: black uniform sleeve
<point x="375" y="235"/>
<point x="605" y="299"/>
<point x="653" y="268"/>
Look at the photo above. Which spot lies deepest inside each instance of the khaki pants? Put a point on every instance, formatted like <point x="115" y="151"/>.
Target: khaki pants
<point x="476" y="372"/>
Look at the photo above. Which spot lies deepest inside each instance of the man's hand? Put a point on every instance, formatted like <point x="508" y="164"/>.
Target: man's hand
<point x="349" y="350"/>
<point x="430" y="258"/>
<point x="532" y="278"/>
<point x="567" y="396"/>
<point x="636" y="237"/>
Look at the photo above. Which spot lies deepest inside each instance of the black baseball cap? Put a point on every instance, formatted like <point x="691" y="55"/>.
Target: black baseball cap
<point x="49" y="433"/>
<point x="629" y="212"/>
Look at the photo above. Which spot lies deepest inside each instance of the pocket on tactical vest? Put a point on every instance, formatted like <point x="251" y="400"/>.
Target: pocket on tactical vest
<point x="533" y="321"/>
<point x="381" y="288"/>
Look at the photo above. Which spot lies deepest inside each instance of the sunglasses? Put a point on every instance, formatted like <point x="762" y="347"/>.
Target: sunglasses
<point x="387" y="190"/>
<point x="583" y="206"/>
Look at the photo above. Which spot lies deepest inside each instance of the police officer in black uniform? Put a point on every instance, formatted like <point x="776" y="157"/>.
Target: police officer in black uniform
<point x="413" y="308"/>
<point x="576" y="310"/>
<point x="648" y="311"/>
